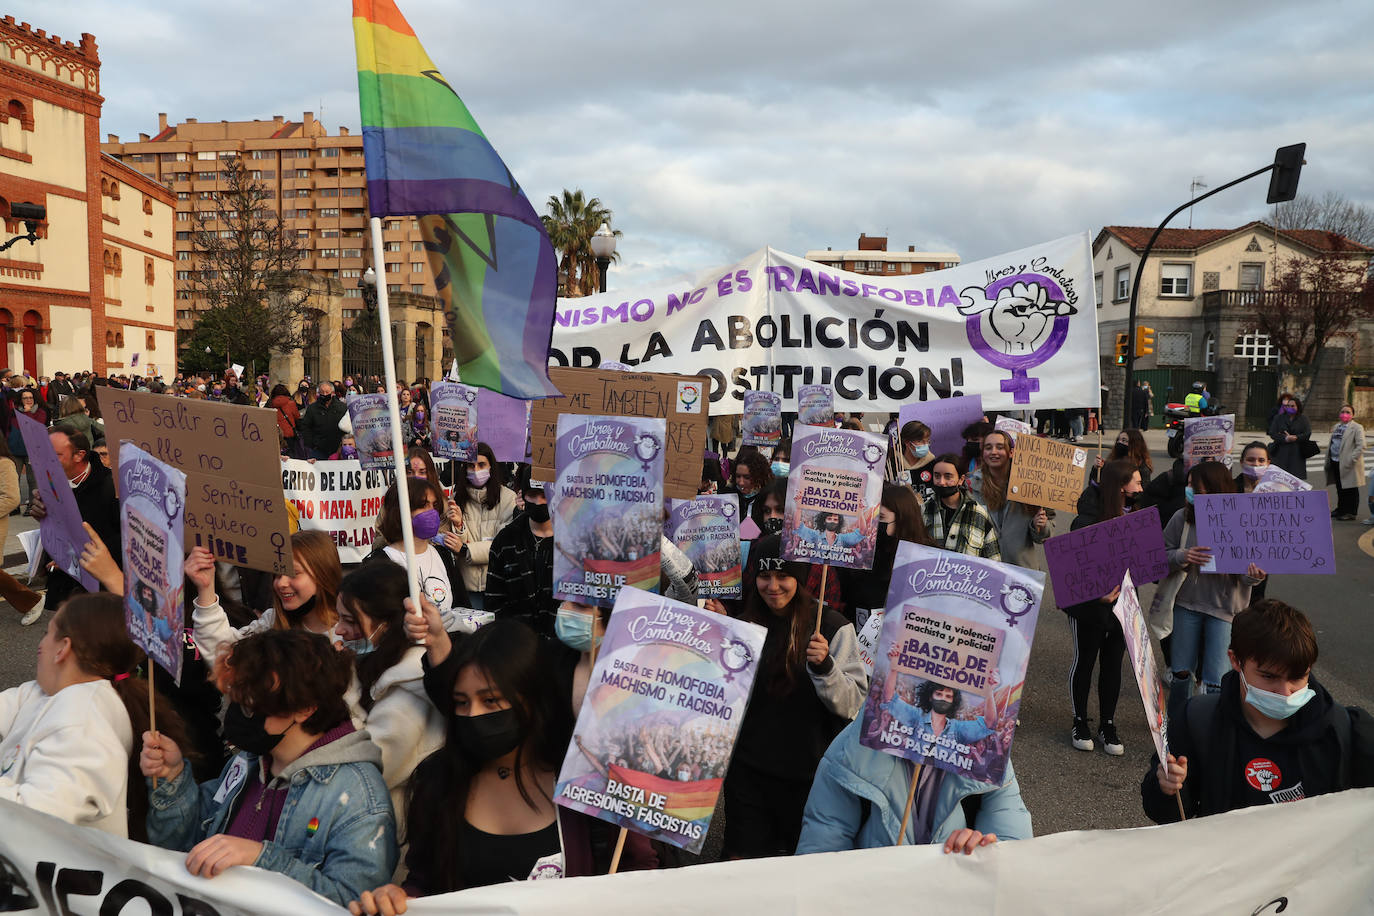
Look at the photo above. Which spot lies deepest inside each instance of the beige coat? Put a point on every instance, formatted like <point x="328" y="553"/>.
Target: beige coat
<point x="9" y="496"/>
<point x="1351" y="458"/>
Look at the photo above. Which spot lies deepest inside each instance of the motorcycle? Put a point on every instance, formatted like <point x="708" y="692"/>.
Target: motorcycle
<point x="1174" y="415"/>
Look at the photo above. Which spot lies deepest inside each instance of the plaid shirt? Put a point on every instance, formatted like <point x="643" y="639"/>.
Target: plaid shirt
<point x="971" y="531"/>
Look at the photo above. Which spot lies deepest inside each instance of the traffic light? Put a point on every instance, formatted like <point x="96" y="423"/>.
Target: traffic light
<point x="1122" y="341"/>
<point x="1144" y="340"/>
<point x="1283" y="181"/>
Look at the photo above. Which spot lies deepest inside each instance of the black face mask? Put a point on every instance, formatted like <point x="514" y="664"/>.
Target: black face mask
<point x="944" y="491"/>
<point x="537" y="512"/>
<point x="482" y="739"/>
<point x="972" y="450"/>
<point x="295" y="617"/>
<point x="1119" y="450"/>
<point x="943" y="707"/>
<point x="325" y="399"/>
<point x="772" y="525"/>
<point x="249" y="733"/>
<point x="1128" y="500"/>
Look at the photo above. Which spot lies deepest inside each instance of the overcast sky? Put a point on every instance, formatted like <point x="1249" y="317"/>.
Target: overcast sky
<point x="712" y="129"/>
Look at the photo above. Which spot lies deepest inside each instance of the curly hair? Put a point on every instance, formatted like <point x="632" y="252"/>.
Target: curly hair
<point x="925" y="695"/>
<point x="280" y="672"/>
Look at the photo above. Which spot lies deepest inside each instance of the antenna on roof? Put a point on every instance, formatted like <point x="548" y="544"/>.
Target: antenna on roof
<point x="1197" y="185"/>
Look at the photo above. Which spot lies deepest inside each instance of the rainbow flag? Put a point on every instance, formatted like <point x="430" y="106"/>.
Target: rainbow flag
<point x="690" y="801"/>
<point x="493" y="265"/>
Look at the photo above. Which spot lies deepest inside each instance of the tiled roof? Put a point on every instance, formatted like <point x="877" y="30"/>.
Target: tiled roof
<point x="1136" y="237"/>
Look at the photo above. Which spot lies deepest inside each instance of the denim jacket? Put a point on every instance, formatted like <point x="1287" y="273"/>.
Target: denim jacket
<point x="850" y="774"/>
<point x="350" y="849"/>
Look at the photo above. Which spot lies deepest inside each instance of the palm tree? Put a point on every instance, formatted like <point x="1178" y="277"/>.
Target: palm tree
<point x="572" y="220"/>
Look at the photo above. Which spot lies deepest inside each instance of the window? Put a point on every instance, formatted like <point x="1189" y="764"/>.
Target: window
<point x="183" y="216"/>
<point x="152" y="341"/>
<point x="183" y="255"/>
<point x="183" y="275"/>
<point x="393" y="268"/>
<point x="392" y="224"/>
<point x="417" y="266"/>
<point x="329" y="192"/>
<point x="949" y="265"/>
<point x="206" y="195"/>
<point x="1176" y="279"/>
<point x="329" y="252"/>
<point x="353" y="252"/>
<point x="226" y="233"/>
<point x="393" y="289"/>
<point x="351" y="273"/>
<point x="417" y="288"/>
<point x="205" y="155"/>
<point x="228" y="154"/>
<point x="300" y="214"/>
<point x="262" y="154"/>
<point x="328" y="212"/>
<point x="183" y="236"/>
<point x="298" y="173"/>
<point x="329" y="234"/>
<point x="892" y="268"/>
<point x="183" y="195"/>
<point x="299" y="193"/>
<point x="330" y="152"/>
<point x="1174" y="348"/>
<point x="1097" y="289"/>
<point x="352" y="192"/>
<point x="1209" y="353"/>
<point x="1257" y="349"/>
<point x="205" y="176"/>
<point x="417" y="246"/>
<point x="1123" y="284"/>
<point x="352" y="292"/>
<point x="1251" y="276"/>
<point x="393" y="246"/>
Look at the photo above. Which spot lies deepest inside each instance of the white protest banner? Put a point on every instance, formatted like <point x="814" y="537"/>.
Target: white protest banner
<point x="1019" y="328"/>
<point x="1324" y="870"/>
<point x="339" y="498"/>
<point x="1141" y="652"/>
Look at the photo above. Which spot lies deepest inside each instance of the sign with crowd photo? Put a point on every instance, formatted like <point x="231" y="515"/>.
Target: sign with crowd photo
<point x="1047" y="473"/>
<point x="60" y="530"/>
<point x="1141" y="652"/>
<point x="340" y="499"/>
<point x="659" y="720"/>
<point x="152" y="506"/>
<point x="761" y="423"/>
<point x="453" y="414"/>
<point x="1020" y="328"/>
<point x="816" y="405"/>
<point x="1278" y="532"/>
<point x="947" y="419"/>
<point x="232" y="461"/>
<point x="1275" y="479"/>
<point x="1014" y="428"/>
<point x="833" y="495"/>
<point x="706" y="529"/>
<point x="1088" y="563"/>
<point x="370" y="415"/>
<point x="951" y="661"/>
<point x="1208" y="439"/>
<point x="680" y="402"/>
<point x="607" y="507"/>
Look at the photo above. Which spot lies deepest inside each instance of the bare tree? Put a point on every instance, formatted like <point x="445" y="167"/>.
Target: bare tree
<point x="1316" y="298"/>
<point x="244" y="252"/>
<point x="1332" y="212"/>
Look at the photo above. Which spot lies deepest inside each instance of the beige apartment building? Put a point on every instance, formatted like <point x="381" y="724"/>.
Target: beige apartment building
<point x="316" y="179"/>
<point x="872" y="257"/>
<point x="95" y="290"/>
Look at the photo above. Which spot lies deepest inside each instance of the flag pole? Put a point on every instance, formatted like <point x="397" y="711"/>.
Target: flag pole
<point x="394" y="412"/>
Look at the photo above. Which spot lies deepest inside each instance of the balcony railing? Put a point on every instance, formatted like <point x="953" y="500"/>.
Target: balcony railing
<point x="1250" y="300"/>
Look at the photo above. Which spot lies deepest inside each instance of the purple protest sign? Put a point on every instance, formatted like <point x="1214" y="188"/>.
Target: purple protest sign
<point x="833" y="491"/>
<point x="1278" y="532"/>
<point x="607" y="505"/>
<point x="761" y="422"/>
<point x="707" y="530"/>
<point x="454" y="417"/>
<point x="152" y="502"/>
<point x="505" y="425"/>
<point x="816" y="405"/>
<point x="1088" y="563"/>
<point x="371" y="418"/>
<point x="669" y="689"/>
<point x="947" y="419"/>
<point x="61" y="531"/>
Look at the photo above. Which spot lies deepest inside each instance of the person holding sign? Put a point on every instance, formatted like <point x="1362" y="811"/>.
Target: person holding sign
<point x="1254" y="459"/>
<point x="752" y="476"/>
<point x="1019" y="526"/>
<point x="1271" y="735"/>
<point x="487" y="505"/>
<point x="1292" y="435"/>
<point x="910" y="462"/>
<point x="520" y="571"/>
<point x="94" y="489"/>
<point x="1097" y="635"/>
<point x="1206" y="602"/>
<point x="955" y="520"/>
<point x="809" y="684"/>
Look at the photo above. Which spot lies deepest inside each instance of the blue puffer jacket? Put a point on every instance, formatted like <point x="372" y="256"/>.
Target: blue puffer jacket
<point x="851" y="773"/>
<point x="352" y="848"/>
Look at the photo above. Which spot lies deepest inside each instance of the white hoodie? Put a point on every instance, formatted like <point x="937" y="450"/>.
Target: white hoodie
<point x="67" y="755"/>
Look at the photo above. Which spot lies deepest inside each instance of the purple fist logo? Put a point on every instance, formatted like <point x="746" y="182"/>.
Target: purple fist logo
<point x="1028" y="317"/>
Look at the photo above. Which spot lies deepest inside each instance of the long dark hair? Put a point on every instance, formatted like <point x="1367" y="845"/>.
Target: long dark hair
<point x="100" y="642"/>
<point x="376" y="590"/>
<point x="908" y="524"/>
<point x="516" y="663"/>
<point x="1113" y="479"/>
<point x="1137" y="450"/>
<point x="784" y="650"/>
<point x="491" y="493"/>
<point x="777" y="490"/>
<point x="1214" y="477"/>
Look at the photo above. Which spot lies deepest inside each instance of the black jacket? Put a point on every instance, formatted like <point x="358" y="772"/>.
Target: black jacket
<point x="520" y="576"/>
<point x="1333" y="755"/>
<point x="1166" y="491"/>
<point x="320" y="425"/>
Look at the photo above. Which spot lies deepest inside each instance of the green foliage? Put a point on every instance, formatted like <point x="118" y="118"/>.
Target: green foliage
<point x="572" y="220"/>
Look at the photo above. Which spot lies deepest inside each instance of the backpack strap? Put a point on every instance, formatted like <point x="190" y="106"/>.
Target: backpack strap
<point x="1201" y="713"/>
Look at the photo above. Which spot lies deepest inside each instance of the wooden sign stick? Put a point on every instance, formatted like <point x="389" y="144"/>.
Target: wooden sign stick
<point x="910" y="801"/>
<point x="152" y="710"/>
<point x="619" y="848"/>
<point x="1179" y="798"/>
<point x="820" y="604"/>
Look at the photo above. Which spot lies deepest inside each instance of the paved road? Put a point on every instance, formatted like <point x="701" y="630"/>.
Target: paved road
<point x="1067" y="789"/>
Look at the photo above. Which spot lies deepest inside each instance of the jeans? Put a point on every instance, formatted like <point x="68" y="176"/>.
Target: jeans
<point x="1196" y="635"/>
<point x="1076" y="424"/>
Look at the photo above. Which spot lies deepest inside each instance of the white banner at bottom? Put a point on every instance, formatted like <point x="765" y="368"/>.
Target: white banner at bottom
<point x="1305" y="857"/>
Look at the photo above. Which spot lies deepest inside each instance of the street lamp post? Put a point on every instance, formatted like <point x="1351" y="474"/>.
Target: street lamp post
<point x="603" y="249"/>
<point x="368" y="284"/>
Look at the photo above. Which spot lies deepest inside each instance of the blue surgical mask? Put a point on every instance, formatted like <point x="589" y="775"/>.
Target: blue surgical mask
<point x="359" y="647"/>
<point x="1274" y="705"/>
<point x="920" y="451"/>
<point x="574" y="629"/>
<point x="780" y="468"/>
<point x="1188" y="494"/>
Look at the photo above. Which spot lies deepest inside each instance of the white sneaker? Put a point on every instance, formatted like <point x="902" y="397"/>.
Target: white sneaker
<point x="32" y="616"/>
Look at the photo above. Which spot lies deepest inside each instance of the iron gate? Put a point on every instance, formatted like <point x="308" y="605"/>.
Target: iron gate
<point x="362" y="347"/>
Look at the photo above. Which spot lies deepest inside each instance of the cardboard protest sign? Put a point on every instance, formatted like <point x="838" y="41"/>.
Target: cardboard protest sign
<point x="833" y="492"/>
<point x="453" y="417"/>
<point x="1276" y="480"/>
<point x="761" y="423"/>
<point x="706" y="529"/>
<point x="1208" y="439"/>
<point x="61" y="532"/>
<point x="1087" y="564"/>
<point x="951" y="661"/>
<point x="1141" y="652"/>
<point x="152" y="506"/>
<point x="340" y="499"/>
<point x="607" y="506"/>
<point x="1047" y="473"/>
<point x="505" y="425"/>
<point x="370" y="415"/>
<point x="230" y="455"/>
<point x="678" y="400"/>
<point x="658" y="723"/>
<point x="1013" y="428"/>
<point x="947" y="419"/>
<point x="1278" y="532"/>
<point x="816" y="405"/>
